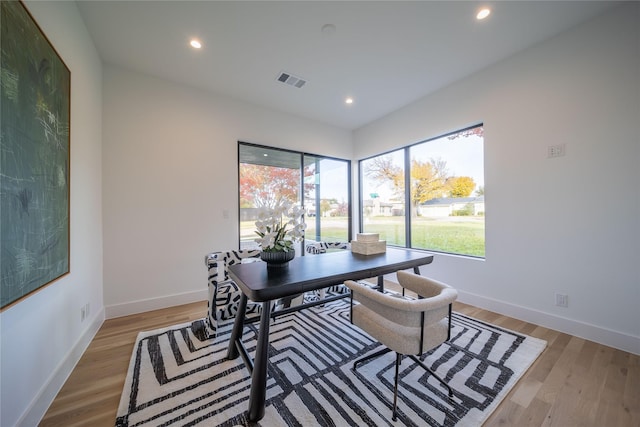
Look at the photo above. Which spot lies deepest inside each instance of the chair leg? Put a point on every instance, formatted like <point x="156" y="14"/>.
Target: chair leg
<point x="426" y="368"/>
<point x="371" y="356"/>
<point x="395" y="387"/>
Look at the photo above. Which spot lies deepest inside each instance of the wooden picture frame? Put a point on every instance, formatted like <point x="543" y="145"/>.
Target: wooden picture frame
<point x="34" y="158"/>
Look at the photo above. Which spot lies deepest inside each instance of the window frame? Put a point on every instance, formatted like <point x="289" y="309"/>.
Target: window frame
<point x="302" y="155"/>
<point x="406" y="149"/>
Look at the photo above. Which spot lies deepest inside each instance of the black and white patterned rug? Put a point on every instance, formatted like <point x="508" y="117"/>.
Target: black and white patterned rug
<point x="176" y="378"/>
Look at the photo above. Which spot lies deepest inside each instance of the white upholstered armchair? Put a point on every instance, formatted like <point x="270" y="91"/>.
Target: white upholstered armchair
<point x="408" y="326"/>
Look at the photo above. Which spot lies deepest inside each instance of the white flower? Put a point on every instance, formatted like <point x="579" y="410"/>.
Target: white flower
<point x="272" y="224"/>
<point x="297" y="211"/>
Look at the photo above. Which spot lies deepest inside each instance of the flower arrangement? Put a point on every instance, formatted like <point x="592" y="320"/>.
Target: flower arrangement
<point x="272" y="228"/>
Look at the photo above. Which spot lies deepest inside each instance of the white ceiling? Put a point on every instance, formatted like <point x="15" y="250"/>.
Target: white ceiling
<point x="385" y="54"/>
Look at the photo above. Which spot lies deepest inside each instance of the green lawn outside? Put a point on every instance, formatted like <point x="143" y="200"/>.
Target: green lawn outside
<point x="459" y="235"/>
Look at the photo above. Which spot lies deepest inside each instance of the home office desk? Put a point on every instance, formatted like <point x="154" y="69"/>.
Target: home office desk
<point x="306" y="273"/>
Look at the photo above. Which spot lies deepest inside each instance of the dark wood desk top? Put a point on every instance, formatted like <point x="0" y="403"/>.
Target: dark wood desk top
<point x="312" y="272"/>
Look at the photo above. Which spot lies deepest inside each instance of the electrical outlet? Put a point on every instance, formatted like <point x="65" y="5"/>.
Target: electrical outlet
<point x="562" y="300"/>
<point x="556" y="151"/>
<point x="84" y="312"/>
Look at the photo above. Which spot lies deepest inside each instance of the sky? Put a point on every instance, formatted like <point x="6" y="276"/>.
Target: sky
<point x="464" y="157"/>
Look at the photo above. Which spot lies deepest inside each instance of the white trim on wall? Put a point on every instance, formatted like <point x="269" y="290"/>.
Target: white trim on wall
<point x="40" y="404"/>
<point x="576" y="328"/>
<point x="140" y="306"/>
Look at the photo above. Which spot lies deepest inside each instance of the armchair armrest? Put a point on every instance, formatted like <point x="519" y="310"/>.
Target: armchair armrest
<point x="424" y="286"/>
<point x="447" y="296"/>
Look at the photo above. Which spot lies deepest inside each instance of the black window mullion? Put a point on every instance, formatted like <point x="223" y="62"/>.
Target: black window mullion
<point x="407" y="197"/>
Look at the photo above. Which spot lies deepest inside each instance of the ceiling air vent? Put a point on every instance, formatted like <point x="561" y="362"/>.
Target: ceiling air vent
<point x="291" y="80"/>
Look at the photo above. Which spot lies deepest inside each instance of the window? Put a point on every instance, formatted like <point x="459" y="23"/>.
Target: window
<point x="321" y="185"/>
<point x="444" y="191"/>
<point x="383" y="197"/>
<point x="326" y="199"/>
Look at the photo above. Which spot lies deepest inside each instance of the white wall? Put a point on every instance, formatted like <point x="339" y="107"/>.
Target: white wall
<point x="566" y="224"/>
<point x="167" y="172"/>
<point x="170" y="172"/>
<point x="42" y="336"/>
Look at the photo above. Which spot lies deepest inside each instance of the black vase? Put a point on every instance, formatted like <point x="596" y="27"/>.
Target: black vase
<point x="277" y="259"/>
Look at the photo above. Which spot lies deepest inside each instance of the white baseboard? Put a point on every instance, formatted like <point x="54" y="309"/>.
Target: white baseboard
<point x="141" y="306"/>
<point x="38" y="407"/>
<point x="576" y="328"/>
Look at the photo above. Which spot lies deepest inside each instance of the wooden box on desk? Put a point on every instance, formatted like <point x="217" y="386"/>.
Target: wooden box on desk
<point x="368" y="237"/>
<point x="369" y="248"/>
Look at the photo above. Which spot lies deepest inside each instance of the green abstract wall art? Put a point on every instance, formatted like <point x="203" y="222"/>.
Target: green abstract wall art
<point x="34" y="157"/>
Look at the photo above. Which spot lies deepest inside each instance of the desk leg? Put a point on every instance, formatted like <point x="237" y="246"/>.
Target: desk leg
<point x="238" y="325"/>
<point x="381" y="284"/>
<point x="259" y="375"/>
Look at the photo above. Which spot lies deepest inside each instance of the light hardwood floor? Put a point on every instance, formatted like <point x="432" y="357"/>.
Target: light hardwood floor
<point x="574" y="382"/>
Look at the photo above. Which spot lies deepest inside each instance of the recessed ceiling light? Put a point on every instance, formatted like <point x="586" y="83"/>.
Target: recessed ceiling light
<point x="348" y="100"/>
<point x="195" y="44"/>
<point x="483" y="13"/>
<point x="328" y="29"/>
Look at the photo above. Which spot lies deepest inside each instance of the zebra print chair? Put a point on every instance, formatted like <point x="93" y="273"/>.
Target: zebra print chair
<point x="322" y="247"/>
<point x="224" y="294"/>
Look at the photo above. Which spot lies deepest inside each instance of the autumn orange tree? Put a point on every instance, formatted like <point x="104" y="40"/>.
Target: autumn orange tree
<point x="382" y="169"/>
<point x="461" y="186"/>
<point x="476" y="131"/>
<point x="428" y="179"/>
<point x="268" y="186"/>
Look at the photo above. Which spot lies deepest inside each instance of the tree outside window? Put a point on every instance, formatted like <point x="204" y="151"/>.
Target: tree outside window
<point x="270" y="176"/>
